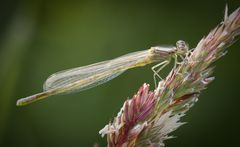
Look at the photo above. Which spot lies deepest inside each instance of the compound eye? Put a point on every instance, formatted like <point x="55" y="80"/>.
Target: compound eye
<point x="182" y="45"/>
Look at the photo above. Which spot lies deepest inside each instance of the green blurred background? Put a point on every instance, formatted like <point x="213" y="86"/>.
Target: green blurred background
<point x="39" y="37"/>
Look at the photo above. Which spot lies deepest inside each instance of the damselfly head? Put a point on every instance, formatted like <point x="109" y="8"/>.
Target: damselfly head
<point x="182" y="47"/>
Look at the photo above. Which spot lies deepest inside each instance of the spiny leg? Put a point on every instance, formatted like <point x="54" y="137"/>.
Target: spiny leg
<point x="181" y="57"/>
<point x="157" y="72"/>
<point x="190" y="52"/>
<point x="176" y="62"/>
<point x="156" y="66"/>
<point x="161" y="65"/>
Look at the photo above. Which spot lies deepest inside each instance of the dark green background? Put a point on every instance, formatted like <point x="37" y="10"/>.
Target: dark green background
<point x="38" y="38"/>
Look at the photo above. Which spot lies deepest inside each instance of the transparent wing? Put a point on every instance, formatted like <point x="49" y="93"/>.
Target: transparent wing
<point x="65" y="77"/>
<point x="89" y="76"/>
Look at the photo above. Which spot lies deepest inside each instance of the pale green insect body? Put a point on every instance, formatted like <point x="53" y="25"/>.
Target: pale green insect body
<point x="85" y="77"/>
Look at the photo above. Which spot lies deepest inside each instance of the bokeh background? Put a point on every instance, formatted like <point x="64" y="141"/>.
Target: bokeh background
<point x="39" y="37"/>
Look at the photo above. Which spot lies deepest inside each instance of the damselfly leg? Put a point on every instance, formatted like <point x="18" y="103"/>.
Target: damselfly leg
<point x="189" y="52"/>
<point x="160" y="66"/>
<point x="176" y="62"/>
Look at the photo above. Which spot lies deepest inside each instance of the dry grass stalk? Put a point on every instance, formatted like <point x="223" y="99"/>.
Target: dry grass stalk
<point x="149" y="117"/>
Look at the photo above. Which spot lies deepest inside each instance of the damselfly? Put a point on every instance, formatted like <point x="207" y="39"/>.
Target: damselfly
<point x="85" y="77"/>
